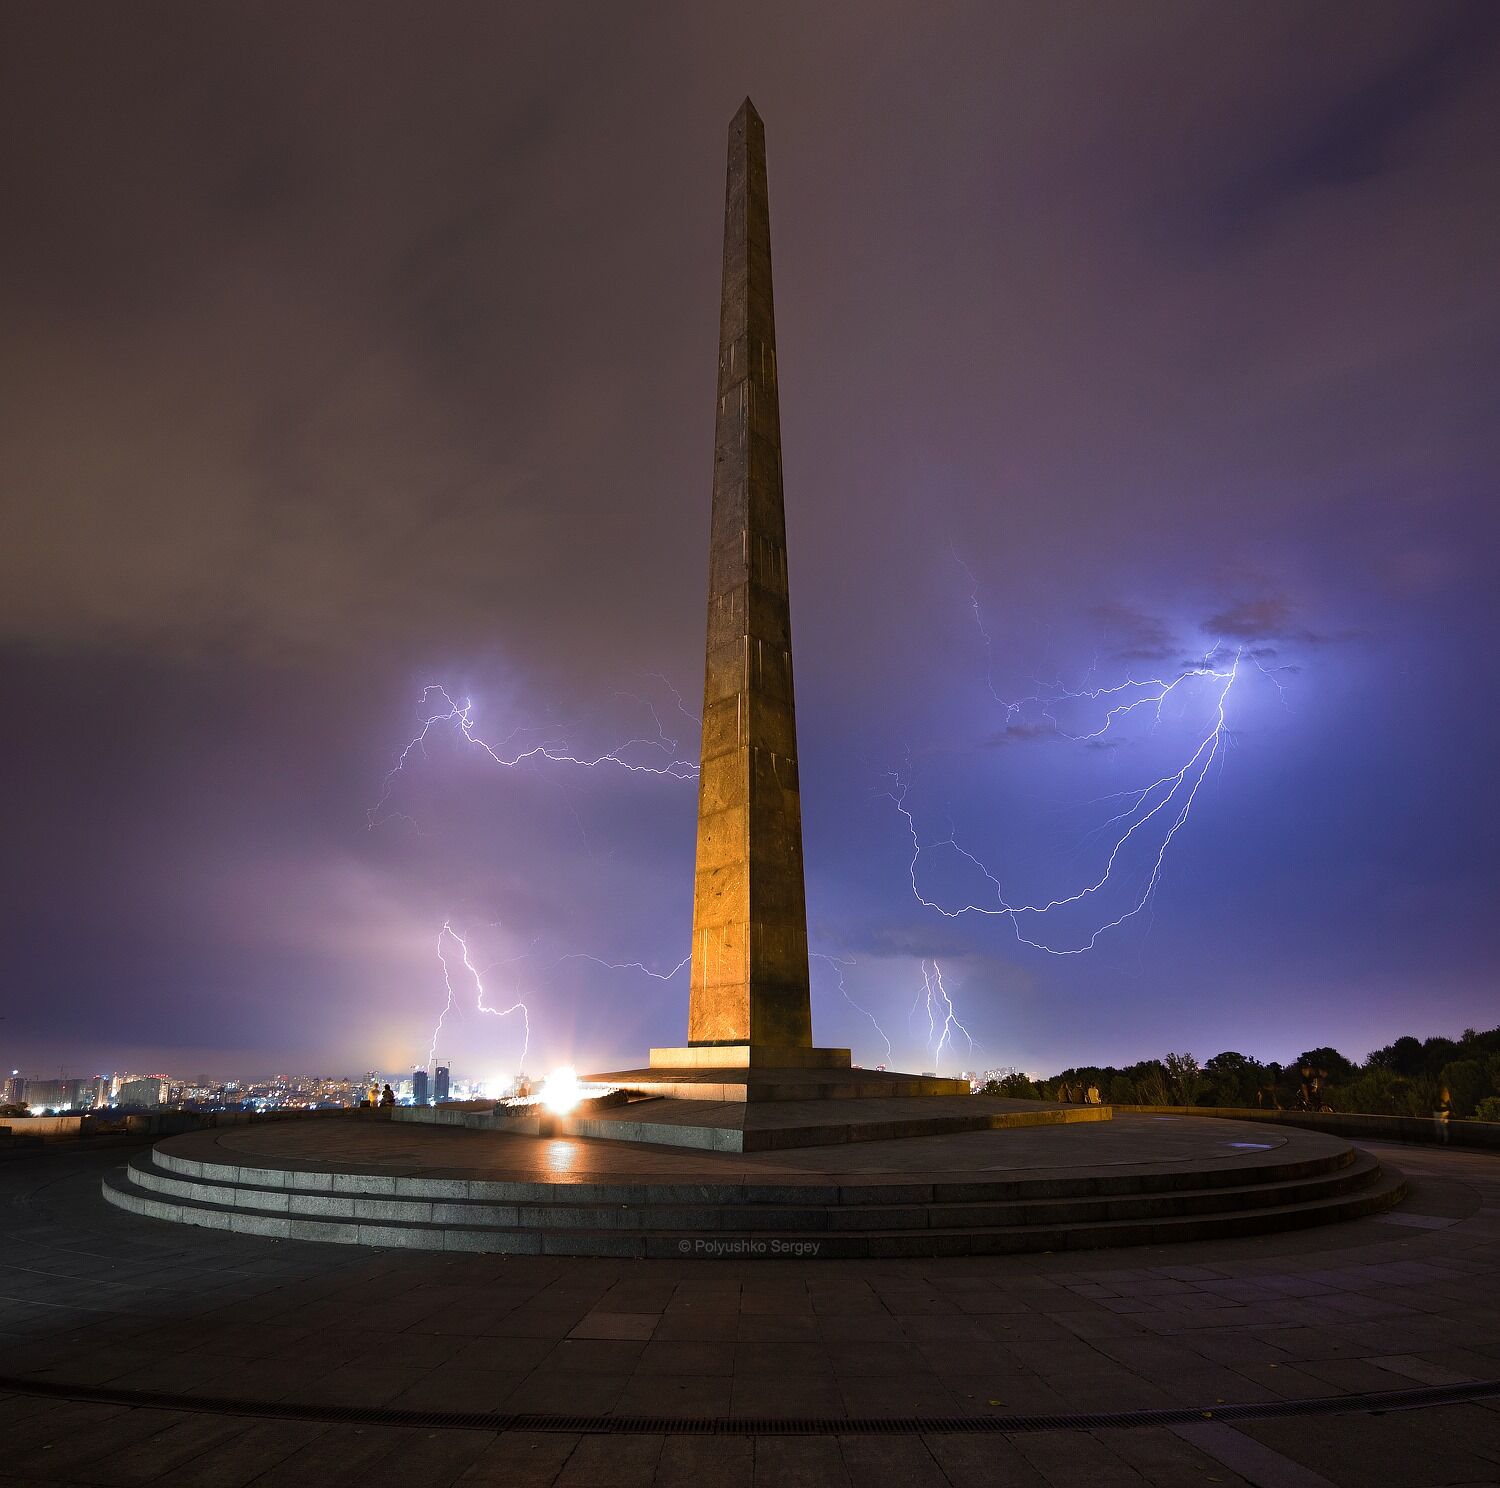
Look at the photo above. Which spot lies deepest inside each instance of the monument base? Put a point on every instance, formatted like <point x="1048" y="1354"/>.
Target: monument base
<point x="748" y="1056"/>
<point x="1033" y="1184"/>
<point x="739" y="1125"/>
<point x="754" y="1081"/>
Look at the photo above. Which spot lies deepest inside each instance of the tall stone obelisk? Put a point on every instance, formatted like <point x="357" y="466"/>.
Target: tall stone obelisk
<point x="749" y="972"/>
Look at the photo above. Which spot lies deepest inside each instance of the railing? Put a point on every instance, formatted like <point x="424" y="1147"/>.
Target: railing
<point x="89" y="1124"/>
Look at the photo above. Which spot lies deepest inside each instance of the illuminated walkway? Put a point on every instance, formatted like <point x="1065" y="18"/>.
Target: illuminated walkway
<point x="99" y="1300"/>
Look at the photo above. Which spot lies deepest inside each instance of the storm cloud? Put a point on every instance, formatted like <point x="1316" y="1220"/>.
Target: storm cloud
<point x="347" y="353"/>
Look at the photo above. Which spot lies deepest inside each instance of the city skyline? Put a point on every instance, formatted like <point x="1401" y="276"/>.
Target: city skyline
<point x="62" y="1093"/>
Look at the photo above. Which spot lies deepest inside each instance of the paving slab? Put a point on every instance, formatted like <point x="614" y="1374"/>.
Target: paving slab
<point x="1215" y="1322"/>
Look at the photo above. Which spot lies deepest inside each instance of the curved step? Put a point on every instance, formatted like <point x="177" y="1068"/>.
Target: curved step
<point x="1282" y="1207"/>
<point x="772" y="1214"/>
<point x="1000" y="1190"/>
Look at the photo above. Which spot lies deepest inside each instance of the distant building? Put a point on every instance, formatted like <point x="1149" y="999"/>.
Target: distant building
<point x="119" y="1082"/>
<point x="47" y="1095"/>
<point x="419" y="1087"/>
<point x="440" y="1084"/>
<point x="146" y="1090"/>
<point x="15" y="1089"/>
<point x="58" y="1095"/>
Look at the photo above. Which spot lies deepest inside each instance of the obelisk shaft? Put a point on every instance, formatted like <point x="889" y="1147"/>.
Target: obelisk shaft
<point x="749" y="975"/>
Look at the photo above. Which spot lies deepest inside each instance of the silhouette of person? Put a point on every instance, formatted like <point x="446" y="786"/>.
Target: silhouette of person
<point x="1307" y="1091"/>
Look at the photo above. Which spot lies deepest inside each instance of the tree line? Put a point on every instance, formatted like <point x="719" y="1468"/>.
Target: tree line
<point x="1410" y="1077"/>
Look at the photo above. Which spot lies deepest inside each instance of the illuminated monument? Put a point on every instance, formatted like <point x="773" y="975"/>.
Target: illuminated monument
<point x="949" y="1173"/>
<point x="749" y="997"/>
<point x="750" y="1013"/>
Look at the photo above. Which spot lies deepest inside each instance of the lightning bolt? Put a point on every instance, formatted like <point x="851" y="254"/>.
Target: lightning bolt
<point x="658" y="976"/>
<point x="981" y="627"/>
<point x="942" y="1019"/>
<point x="458" y="718"/>
<point x="1170" y="798"/>
<point x="446" y="934"/>
<point x="1149" y="817"/>
<point x="669" y="744"/>
<point x="838" y="966"/>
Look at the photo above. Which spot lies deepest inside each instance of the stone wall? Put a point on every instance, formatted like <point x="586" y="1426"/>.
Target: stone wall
<point x="1484" y="1134"/>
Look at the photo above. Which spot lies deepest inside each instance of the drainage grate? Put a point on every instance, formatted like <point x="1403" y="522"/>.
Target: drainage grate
<point x="385" y="1415"/>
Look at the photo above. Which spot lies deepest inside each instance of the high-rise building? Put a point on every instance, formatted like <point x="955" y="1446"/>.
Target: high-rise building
<point x="440" y="1084"/>
<point x="58" y="1095"/>
<point x="419" y="1087"/>
<point x="148" y="1090"/>
<point x="15" y="1089"/>
<point x="47" y="1095"/>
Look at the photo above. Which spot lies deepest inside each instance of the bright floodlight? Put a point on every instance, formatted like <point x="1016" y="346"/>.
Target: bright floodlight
<point x="560" y="1092"/>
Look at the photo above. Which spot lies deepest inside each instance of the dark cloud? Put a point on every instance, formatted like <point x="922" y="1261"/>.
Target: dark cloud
<point x="1135" y="636"/>
<point x="1364" y="131"/>
<point x="912" y="942"/>
<point x="1023" y="733"/>
<point x="1268" y="618"/>
<point x="1144" y="653"/>
<point x="1271" y="618"/>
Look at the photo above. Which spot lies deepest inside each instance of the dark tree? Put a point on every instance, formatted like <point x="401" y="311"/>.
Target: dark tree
<point x="1404" y="1057"/>
<point x="1436" y="1052"/>
<point x="1234" y="1079"/>
<point x="1331" y="1060"/>
<point x="1465" y="1082"/>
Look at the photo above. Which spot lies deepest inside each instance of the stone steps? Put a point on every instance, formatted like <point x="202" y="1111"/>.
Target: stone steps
<point x="780" y="1209"/>
<point x="877" y="1219"/>
<point x="1081" y="1183"/>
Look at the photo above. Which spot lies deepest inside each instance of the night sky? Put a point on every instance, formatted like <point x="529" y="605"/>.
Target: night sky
<point x="349" y="350"/>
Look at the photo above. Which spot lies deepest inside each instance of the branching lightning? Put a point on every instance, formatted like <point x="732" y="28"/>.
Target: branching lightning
<point x="838" y="966"/>
<point x="1169" y="798"/>
<point x="668" y="743"/>
<point x="446" y="934"/>
<point x="657" y="976"/>
<point x="458" y="717"/>
<point x="1149" y="818"/>
<point x="932" y="997"/>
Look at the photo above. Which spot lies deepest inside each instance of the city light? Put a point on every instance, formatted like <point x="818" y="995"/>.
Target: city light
<point x="560" y="1090"/>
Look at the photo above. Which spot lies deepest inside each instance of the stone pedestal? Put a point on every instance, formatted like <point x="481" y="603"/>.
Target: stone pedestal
<point x="748" y="1056"/>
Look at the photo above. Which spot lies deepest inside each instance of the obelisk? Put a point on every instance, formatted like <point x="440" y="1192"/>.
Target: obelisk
<point x="749" y="971"/>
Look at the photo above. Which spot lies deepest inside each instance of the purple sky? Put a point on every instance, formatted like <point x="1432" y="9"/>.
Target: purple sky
<point x="343" y="358"/>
